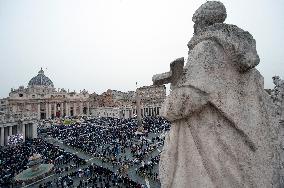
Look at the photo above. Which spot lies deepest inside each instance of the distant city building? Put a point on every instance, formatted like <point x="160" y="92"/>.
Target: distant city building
<point x="4" y="105"/>
<point x="42" y="98"/>
<point x="22" y="126"/>
<point x="152" y="98"/>
<point x="111" y="98"/>
<point x="117" y="104"/>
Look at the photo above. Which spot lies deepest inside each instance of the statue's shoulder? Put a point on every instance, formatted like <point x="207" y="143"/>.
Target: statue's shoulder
<point x="239" y="45"/>
<point x="206" y="46"/>
<point x="206" y="50"/>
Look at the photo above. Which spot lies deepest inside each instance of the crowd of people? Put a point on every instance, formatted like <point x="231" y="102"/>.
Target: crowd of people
<point x="92" y="176"/>
<point x="14" y="159"/>
<point x="119" y="143"/>
<point x="116" y="141"/>
<point x="148" y="170"/>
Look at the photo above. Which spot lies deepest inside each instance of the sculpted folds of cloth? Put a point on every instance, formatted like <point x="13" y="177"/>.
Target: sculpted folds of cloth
<point x="222" y="132"/>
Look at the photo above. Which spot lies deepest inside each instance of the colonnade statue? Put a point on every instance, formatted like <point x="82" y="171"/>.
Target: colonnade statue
<point x="222" y="134"/>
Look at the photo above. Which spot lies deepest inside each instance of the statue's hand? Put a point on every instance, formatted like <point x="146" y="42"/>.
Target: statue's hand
<point x="182" y="102"/>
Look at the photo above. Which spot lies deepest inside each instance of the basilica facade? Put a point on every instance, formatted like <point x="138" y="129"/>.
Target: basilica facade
<point x="40" y="97"/>
<point x="42" y="100"/>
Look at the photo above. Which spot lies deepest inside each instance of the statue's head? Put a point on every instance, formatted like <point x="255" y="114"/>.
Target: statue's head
<point x="276" y="79"/>
<point x="207" y="14"/>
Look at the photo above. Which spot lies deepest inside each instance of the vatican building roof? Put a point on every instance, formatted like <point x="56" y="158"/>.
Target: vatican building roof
<point x="40" y="80"/>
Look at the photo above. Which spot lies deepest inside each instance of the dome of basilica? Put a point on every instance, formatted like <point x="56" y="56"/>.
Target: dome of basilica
<point x="40" y="80"/>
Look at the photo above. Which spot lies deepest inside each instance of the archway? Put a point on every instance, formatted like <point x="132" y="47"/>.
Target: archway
<point x="71" y="111"/>
<point x="85" y="110"/>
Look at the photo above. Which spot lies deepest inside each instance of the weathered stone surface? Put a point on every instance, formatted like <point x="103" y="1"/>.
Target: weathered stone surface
<point x="224" y="132"/>
<point x="277" y="95"/>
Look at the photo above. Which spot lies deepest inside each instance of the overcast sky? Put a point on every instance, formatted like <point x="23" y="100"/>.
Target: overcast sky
<point x="101" y="44"/>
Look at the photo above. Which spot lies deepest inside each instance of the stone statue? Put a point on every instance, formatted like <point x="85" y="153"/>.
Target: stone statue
<point x="277" y="94"/>
<point x="222" y="134"/>
<point x="278" y="82"/>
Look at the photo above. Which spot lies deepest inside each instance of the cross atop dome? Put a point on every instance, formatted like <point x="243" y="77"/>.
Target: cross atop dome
<point x="41" y="71"/>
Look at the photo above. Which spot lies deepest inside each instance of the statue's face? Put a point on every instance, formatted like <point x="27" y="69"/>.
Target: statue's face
<point x="275" y="79"/>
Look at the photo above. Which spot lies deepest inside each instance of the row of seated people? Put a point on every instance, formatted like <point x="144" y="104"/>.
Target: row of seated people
<point x="92" y="176"/>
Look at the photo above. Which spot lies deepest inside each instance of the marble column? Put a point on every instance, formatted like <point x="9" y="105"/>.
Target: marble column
<point x="74" y="109"/>
<point x="46" y="111"/>
<point x="24" y="131"/>
<point x="2" y="136"/>
<point x="54" y="112"/>
<point x="38" y="110"/>
<point x="67" y="109"/>
<point x="49" y="110"/>
<point x="130" y="113"/>
<point x="34" y="130"/>
<point x="88" y="108"/>
<point x="62" y="110"/>
<point x="81" y="108"/>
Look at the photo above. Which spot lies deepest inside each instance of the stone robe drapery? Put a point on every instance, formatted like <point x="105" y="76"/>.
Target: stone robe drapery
<point x="222" y="134"/>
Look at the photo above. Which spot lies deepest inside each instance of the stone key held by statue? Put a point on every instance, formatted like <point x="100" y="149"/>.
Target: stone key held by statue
<point x="176" y="71"/>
